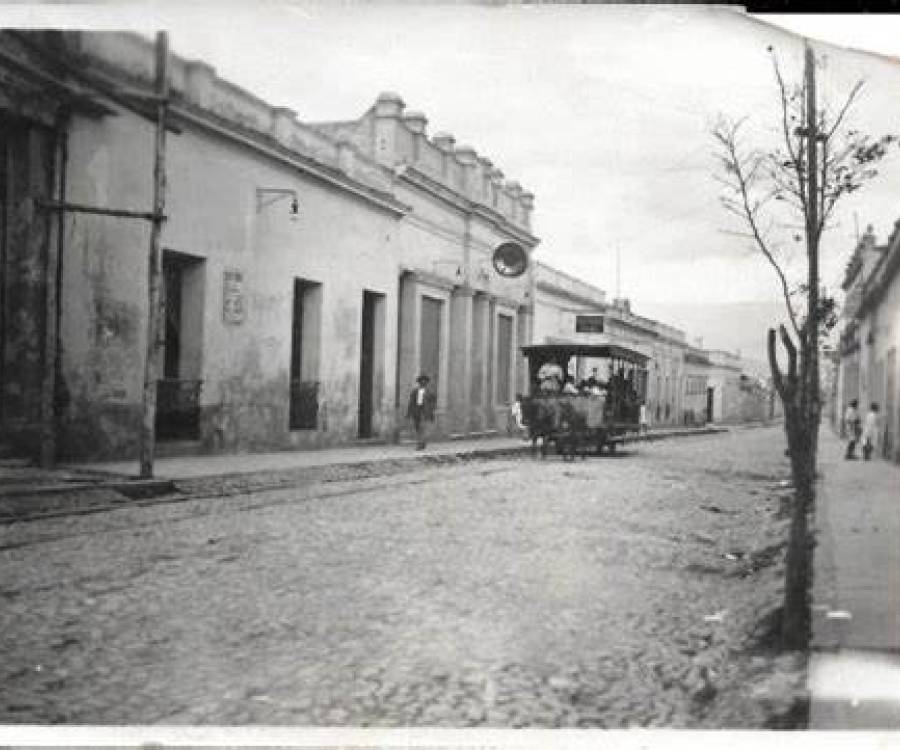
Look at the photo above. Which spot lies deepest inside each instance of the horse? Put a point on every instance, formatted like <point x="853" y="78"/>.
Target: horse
<point x="572" y="434"/>
<point x="539" y="417"/>
<point x="559" y="421"/>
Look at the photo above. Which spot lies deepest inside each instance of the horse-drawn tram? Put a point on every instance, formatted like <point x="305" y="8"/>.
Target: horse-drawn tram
<point x="592" y="412"/>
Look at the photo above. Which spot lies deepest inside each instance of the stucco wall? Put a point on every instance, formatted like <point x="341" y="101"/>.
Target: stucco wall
<point x="879" y="335"/>
<point x="213" y="215"/>
<point x="26" y="280"/>
<point x="552" y="320"/>
<point x="891" y="341"/>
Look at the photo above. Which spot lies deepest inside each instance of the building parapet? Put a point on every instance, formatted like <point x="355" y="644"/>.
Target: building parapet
<point x="371" y="151"/>
<point x="849" y="340"/>
<point x="424" y="182"/>
<point x="851" y="272"/>
<point x="852" y="302"/>
<point x="723" y="359"/>
<point x="882" y="274"/>
<point x="697" y="357"/>
<point x="648" y="325"/>
<point x="865" y="257"/>
<point x="554" y="281"/>
<point x="396" y="137"/>
<point x="196" y="87"/>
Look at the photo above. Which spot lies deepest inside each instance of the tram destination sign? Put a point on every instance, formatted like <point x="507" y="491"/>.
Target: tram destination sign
<point x="589" y="324"/>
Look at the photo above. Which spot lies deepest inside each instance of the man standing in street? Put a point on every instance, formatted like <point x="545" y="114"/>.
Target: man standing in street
<point x="870" y="432"/>
<point x="852" y="425"/>
<point x="421" y="410"/>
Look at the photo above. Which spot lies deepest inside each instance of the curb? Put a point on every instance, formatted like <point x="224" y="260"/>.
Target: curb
<point x="134" y="488"/>
<point x="689" y="432"/>
<point x="53" y="501"/>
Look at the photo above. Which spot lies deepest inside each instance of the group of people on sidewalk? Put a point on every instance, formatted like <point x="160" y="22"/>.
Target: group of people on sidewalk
<point x="856" y="430"/>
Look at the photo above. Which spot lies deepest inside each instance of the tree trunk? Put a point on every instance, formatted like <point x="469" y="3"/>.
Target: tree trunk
<point x="795" y="615"/>
<point x="799" y="418"/>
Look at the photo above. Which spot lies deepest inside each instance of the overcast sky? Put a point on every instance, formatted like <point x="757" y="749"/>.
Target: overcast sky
<point x="602" y="111"/>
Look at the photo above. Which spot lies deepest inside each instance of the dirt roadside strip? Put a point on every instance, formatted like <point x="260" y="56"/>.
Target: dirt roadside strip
<point x="94" y="493"/>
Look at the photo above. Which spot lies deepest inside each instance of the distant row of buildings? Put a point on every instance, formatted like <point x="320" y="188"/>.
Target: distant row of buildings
<point x="865" y="360"/>
<point x="310" y="270"/>
<point x="687" y="384"/>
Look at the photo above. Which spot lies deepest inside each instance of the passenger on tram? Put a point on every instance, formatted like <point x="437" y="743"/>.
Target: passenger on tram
<point x="550" y="378"/>
<point x="617" y="384"/>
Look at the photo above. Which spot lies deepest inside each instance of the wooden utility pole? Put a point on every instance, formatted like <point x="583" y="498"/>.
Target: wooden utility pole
<point x="52" y="279"/>
<point x="812" y="249"/>
<point x="618" y="272"/>
<point x="148" y="426"/>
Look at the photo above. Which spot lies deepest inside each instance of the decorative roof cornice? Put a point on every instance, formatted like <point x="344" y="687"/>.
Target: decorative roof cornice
<point x="544" y="285"/>
<point x="422" y="181"/>
<point x="108" y="74"/>
<point x="271" y="147"/>
<point x="879" y="280"/>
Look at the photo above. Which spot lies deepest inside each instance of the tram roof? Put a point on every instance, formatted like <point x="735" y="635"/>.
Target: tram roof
<point x="609" y="351"/>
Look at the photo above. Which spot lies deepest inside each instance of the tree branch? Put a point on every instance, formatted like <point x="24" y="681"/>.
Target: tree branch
<point x="854" y="92"/>
<point x="784" y="184"/>
<point x="777" y="378"/>
<point x="745" y="235"/>
<point x="797" y="156"/>
<point x="728" y="138"/>
<point x="823" y="181"/>
<point x="785" y="110"/>
<point x="791" y="352"/>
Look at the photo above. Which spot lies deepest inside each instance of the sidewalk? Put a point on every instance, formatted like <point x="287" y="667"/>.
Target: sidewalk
<point x="854" y="673"/>
<point x="28" y="492"/>
<point x="193" y="467"/>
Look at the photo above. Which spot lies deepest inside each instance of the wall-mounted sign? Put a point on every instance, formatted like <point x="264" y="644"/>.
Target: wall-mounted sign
<point x="588" y="324"/>
<point x="233" y="307"/>
<point x="510" y="259"/>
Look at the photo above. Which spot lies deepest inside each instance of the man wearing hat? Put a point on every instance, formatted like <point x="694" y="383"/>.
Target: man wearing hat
<point x="421" y="409"/>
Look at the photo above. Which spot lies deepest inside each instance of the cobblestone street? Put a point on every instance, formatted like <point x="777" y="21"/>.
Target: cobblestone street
<point x="609" y="592"/>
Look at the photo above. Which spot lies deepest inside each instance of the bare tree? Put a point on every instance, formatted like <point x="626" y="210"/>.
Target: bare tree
<point x="817" y="161"/>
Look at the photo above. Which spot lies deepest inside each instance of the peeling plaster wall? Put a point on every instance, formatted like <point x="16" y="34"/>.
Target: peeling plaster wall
<point x="24" y="279"/>
<point x="214" y="216"/>
<point x="889" y="342"/>
<point x="880" y="371"/>
<point x="103" y="327"/>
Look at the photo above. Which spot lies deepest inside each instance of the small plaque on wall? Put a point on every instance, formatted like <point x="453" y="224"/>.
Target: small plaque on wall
<point x="233" y="308"/>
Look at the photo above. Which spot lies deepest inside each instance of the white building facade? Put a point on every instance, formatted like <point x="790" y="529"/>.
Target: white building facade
<point x="310" y="271"/>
